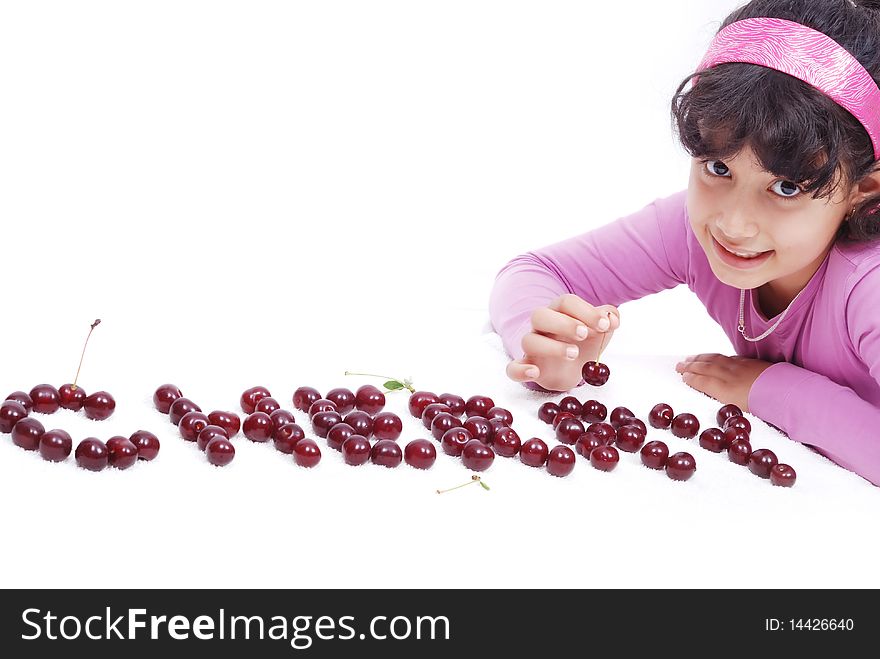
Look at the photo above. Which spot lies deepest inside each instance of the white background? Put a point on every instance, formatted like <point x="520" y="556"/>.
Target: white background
<point x="274" y="192"/>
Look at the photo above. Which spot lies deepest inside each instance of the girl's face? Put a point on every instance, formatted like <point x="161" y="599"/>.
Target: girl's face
<point x="735" y="203"/>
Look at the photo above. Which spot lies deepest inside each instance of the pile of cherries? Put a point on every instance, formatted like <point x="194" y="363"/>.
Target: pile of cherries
<point x="55" y="445"/>
<point x="600" y="440"/>
<point x="486" y="431"/>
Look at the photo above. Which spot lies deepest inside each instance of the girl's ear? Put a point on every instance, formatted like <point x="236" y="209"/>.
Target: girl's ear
<point x="867" y="188"/>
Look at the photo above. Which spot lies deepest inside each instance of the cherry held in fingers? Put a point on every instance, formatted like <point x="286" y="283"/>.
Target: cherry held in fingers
<point x="595" y="373"/>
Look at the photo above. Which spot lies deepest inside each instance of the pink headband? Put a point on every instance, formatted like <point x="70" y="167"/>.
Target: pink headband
<point x="806" y="54"/>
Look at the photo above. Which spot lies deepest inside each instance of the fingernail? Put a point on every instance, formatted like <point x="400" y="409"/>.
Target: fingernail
<point x="531" y="372"/>
<point x="604" y="324"/>
<point x="571" y="352"/>
<point x="582" y="331"/>
<point x="678" y="366"/>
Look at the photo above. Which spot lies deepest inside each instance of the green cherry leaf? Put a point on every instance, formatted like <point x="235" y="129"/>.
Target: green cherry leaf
<point x="485" y="487"/>
<point x="391" y="385"/>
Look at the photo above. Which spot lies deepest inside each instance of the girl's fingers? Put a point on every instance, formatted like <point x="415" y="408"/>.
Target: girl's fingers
<point x="520" y="371"/>
<point x="558" y="325"/>
<point x="543" y="346"/>
<point x="596" y="318"/>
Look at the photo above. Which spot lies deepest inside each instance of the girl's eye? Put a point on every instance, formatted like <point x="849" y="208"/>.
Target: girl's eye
<point x="718" y="169"/>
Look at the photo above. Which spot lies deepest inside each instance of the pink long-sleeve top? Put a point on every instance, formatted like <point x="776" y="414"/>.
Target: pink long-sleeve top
<point x="823" y="388"/>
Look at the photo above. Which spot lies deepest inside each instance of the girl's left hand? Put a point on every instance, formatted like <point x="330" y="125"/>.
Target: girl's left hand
<point x="726" y="379"/>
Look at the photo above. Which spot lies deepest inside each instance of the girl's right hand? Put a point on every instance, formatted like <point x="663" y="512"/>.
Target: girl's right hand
<point x="565" y="335"/>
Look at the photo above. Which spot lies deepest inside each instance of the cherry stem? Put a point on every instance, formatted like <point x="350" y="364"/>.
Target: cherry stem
<point x="474" y="479"/>
<point x="604" y="334"/>
<point x="94" y="325"/>
<point x="402" y="383"/>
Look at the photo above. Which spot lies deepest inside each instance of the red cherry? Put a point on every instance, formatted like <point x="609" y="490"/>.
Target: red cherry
<point x="443" y="422"/>
<point x="303" y="398"/>
<point x="146" y="443"/>
<point x="121" y="452"/>
<point x="337" y="435"/>
<point x="725" y="412"/>
<point x="476" y="456"/>
<point x="387" y="425"/>
<point x="306" y="453"/>
<point x="258" y="427"/>
<point x="501" y="414"/>
<point x="619" y="415"/>
<point x="560" y="461"/>
<point x="654" y="454"/>
<point x="712" y="439"/>
<point x="386" y="453"/>
<point x="11" y="412"/>
<point x="27" y="432"/>
<point x="23" y="399"/>
<point x="680" y="466"/>
<point x="534" y="452"/>
<point x="267" y="404"/>
<point x="630" y="438"/>
<point x="46" y="399"/>
<point x="92" y="454"/>
<point x="192" y="424"/>
<point x="604" y="431"/>
<point x="419" y="400"/>
<point x="454" y="440"/>
<point x="356" y="450"/>
<point x="506" y="443"/>
<point x="685" y="425"/>
<point x="548" y="411"/>
<point x="220" y="452"/>
<point x="595" y="374"/>
<point x="420" y="453"/>
<point x="494" y="426"/>
<point x="99" y="405"/>
<point x="343" y="399"/>
<point x="478" y="406"/>
<point x="739" y="452"/>
<point x="279" y="417"/>
<point x="762" y="461"/>
<point x="738" y="422"/>
<point x="323" y="421"/>
<point x="180" y="408"/>
<point x="361" y="422"/>
<point x="636" y="422"/>
<point x="70" y="398"/>
<point x="431" y="410"/>
<point x="479" y="428"/>
<point x="732" y="435"/>
<point x="164" y="396"/>
<point x="455" y="403"/>
<point x="560" y="417"/>
<point x="229" y="421"/>
<point x="586" y="443"/>
<point x="207" y="434"/>
<point x="782" y="475"/>
<point x="250" y="398"/>
<point x="661" y="416"/>
<point x="321" y="405"/>
<point x="593" y="411"/>
<point x="604" y="458"/>
<point x="571" y="404"/>
<point x="55" y="445"/>
<point x="369" y="399"/>
<point x="287" y="436"/>
<point x="569" y="430"/>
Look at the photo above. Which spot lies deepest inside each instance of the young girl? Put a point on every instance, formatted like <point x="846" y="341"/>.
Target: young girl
<point x="778" y="234"/>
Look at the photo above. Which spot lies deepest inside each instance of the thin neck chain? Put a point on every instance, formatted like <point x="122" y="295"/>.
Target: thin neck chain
<point x="742" y="314"/>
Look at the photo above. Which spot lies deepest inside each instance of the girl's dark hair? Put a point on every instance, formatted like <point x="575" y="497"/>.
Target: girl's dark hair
<point x="796" y="131"/>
